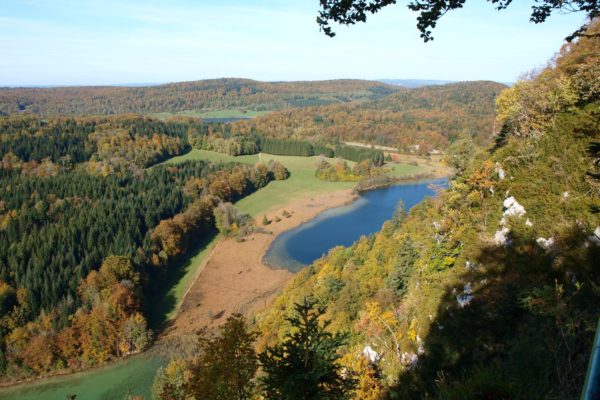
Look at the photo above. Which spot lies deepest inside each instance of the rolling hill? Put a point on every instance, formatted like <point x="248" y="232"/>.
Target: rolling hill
<point x="413" y="120"/>
<point x="206" y="95"/>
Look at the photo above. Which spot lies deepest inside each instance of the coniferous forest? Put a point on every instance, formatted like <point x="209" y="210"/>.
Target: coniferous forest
<point x="81" y="213"/>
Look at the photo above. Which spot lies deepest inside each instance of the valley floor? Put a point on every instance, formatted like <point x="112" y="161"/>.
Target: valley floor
<point x="223" y="276"/>
<point x="235" y="278"/>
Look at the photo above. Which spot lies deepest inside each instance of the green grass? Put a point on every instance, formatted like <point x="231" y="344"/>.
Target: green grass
<point x="165" y="300"/>
<point x="196" y="154"/>
<point x="131" y="376"/>
<point x="192" y="264"/>
<point x="301" y="183"/>
<point x="400" y="170"/>
<point x="228" y="113"/>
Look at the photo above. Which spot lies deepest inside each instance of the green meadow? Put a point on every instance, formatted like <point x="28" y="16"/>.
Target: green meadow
<point x="301" y="183"/>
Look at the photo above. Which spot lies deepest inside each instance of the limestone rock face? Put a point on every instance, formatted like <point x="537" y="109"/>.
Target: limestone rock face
<point x="500" y="172"/>
<point x="545" y="244"/>
<point x="370" y="354"/>
<point x="513" y="208"/>
<point x="501" y="236"/>
<point x="595" y="238"/>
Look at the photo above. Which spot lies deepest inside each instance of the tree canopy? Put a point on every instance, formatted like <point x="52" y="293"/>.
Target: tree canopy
<point x="349" y="12"/>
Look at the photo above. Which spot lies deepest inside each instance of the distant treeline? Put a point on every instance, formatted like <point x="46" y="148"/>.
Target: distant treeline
<point x="286" y="147"/>
<point x="104" y="143"/>
<point x="220" y="139"/>
<point x="359" y="154"/>
<point x="295" y="148"/>
<point x="214" y="94"/>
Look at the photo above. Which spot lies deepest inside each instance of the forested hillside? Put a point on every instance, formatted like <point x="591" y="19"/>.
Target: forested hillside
<point x="87" y="231"/>
<point x="490" y="290"/>
<point x="413" y="120"/>
<point x="417" y="120"/>
<point x="216" y="94"/>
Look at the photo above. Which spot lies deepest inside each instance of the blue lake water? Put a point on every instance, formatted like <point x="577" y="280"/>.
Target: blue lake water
<point x="342" y="226"/>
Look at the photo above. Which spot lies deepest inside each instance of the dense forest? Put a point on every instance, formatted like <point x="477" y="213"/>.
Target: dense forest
<point x="85" y="229"/>
<point x="489" y="291"/>
<point x="104" y="144"/>
<point x="216" y="94"/>
<point x="417" y="120"/>
<point x="413" y="120"/>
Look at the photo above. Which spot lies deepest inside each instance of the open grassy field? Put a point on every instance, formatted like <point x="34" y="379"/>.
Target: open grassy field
<point x="119" y="380"/>
<point x="164" y="303"/>
<point x="229" y="113"/>
<point x="301" y="183"/>
<point x="404" y="170"/>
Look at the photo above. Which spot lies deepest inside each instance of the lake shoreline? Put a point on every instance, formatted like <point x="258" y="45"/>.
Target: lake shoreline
<point x="296" y="248"/>
<point x="235" y="277"/>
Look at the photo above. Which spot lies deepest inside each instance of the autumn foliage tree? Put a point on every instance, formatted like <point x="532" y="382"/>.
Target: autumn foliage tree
<point x="107" y="324"/>
<point x="227" y="363"/>
<point x="368" y="385"/>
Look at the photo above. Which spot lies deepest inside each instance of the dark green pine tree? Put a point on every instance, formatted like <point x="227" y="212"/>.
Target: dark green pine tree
<point x="304" y="366"/>
<point x="2" y="359"/>
<point x="397" y="280"/>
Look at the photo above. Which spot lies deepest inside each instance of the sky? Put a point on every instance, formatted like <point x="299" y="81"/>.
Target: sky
<point x="100" y="42"/>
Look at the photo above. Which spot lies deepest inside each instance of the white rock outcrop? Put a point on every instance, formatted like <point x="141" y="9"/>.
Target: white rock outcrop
<point x="545" y="244"/>
<point x="595" y="237"/>
<point x="470" y="266"/>
<point x="464" y="300"/>
<point x="501" y="236"/>
<point x="500" y="172"/>
<point x="466" y="297"/>
<point x="467" y="289"/>
<point x="370" y="354"/>
<point x="410" y="360"/>
<point x="421" y="349"/>
<point x="513" y="208"/>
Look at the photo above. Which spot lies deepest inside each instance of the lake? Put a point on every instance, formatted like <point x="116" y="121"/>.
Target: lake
<point x="342" y="226"/>
<point x="292" y="250"/>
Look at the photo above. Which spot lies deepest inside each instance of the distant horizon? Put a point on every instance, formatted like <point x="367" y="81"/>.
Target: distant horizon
<point x="388" y="81"/>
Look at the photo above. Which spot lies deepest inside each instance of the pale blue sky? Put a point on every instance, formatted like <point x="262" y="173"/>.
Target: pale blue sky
<point x="74" y="42"/>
